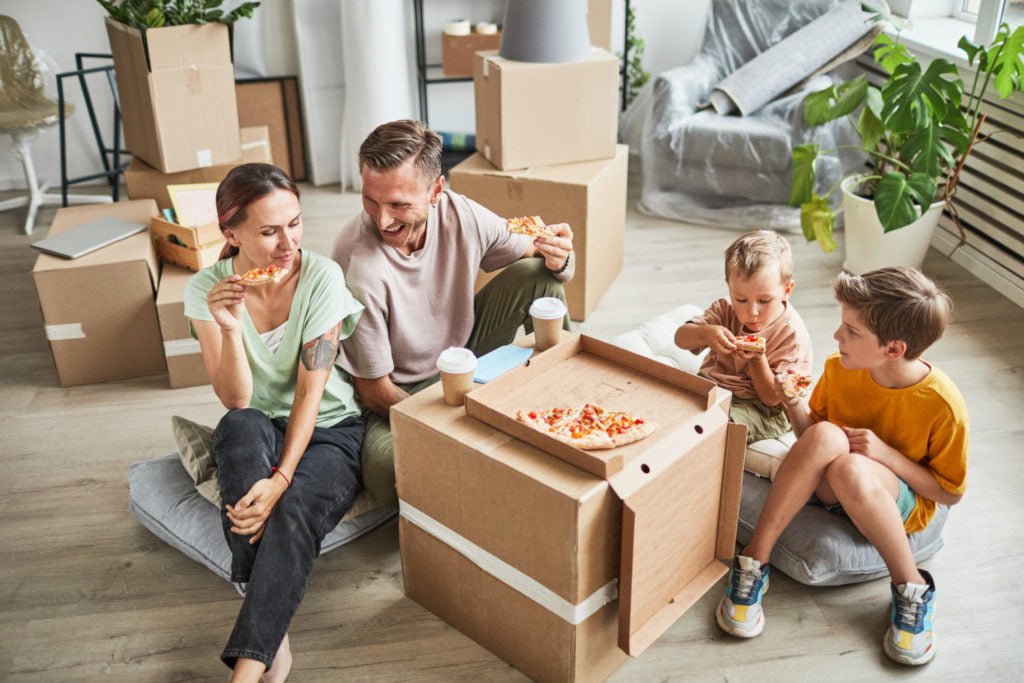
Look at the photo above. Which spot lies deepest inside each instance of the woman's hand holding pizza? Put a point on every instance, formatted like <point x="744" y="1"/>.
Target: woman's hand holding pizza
<point x="226" y="300"/>
<point x="555" y="249"/>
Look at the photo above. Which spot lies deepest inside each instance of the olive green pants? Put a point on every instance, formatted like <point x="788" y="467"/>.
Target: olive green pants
<point x="763" y="422"/>
<point x="499" y="309"/>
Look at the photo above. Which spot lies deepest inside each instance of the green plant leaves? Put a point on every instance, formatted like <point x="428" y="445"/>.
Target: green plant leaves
<point x="144" y="14"/>
<point x="833" y="102"/>
<point x="802" y="183"/>
<point x="890" y="54"/>
<point x="911" y="98"/>
<point x="896" y="196"/>
<point x="817" y="222"/>
<point x="1008" y="64"/>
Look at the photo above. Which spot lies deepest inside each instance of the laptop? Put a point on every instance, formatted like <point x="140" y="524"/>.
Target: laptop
<point x="89" y="237"/>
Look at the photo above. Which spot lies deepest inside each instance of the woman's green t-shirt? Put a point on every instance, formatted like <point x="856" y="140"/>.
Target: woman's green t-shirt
<point x="321" y="301"/>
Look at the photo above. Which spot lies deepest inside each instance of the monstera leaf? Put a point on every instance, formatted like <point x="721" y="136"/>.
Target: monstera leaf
<point x="1008" y="64"/>
<point x="802" y="184"/>
<point x="835" y="101"/>
<point x="897" y="199"/>
<point x="912" y="98"/>
<point x="817" y="222"/>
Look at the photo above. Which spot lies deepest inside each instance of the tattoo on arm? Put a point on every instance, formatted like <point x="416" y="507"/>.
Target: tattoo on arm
<point x="319" y="353"/>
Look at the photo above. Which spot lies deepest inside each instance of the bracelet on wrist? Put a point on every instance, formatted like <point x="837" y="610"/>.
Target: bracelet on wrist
<point x="274" y="470"/>
<point x="564" y="265"/>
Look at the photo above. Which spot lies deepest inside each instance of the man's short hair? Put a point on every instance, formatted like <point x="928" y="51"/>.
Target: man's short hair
<point x="757" y="251"/>
<point x="897" y="303"/>
<point x="392" y="144"/>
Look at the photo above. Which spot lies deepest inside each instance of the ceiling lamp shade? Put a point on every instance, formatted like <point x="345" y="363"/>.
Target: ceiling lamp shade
<point x="545" y="31"/>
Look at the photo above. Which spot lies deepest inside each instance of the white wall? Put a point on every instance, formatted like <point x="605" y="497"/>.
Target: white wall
<point x="672" y="31"/>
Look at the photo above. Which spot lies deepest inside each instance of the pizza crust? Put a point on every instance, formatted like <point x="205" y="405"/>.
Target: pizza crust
<point x="598" y="439"/>
<point x="795" y="385"/>
<point x="635" y="433"/>
<point x="263" y="276"/>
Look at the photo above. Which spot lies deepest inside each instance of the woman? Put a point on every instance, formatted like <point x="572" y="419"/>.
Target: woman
<point x="287" y="451"/>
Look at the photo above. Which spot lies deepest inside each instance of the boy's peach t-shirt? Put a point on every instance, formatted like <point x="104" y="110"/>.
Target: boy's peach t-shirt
<point x="926" y="422"/>
<point x="788" y="347"/>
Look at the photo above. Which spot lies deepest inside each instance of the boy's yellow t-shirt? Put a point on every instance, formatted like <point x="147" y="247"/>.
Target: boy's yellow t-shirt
<point x="926" y="422"/>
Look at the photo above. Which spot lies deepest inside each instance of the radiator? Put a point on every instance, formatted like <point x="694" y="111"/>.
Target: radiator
<point x="990" y="198"/>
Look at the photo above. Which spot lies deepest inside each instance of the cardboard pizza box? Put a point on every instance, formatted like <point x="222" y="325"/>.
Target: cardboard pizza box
<point x="560" y="562"/>
<point x="177" y="87"/>
<point x="143" y="181"/>
<point x="184" y="361"/>
<point x="99" y="309"/>
<point x="534" y="114"/>
<point x="589" y="196"/>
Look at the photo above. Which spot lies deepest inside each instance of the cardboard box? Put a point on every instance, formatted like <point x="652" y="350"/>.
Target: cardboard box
<point x="99" y="309"/>
<point x="184" y="361"/>
<point x="457" y="51"/>
<point x="531" y="114"/>
<point x="275" y="103"/>
<point x="177" y="92"/>
<point x="193" y="248"/>
<point x="599" y="23"/>
<point x="145" y="182"/>
<point x="589" y="196"/>
<point x="556" y="569"/>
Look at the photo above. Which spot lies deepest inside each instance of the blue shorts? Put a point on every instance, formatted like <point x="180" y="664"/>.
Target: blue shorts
<point x="906" y="501"/>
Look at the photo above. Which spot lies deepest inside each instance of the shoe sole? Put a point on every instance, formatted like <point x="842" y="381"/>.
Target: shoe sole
<point x="733" y="631"/>
<point x="906" y="660"/>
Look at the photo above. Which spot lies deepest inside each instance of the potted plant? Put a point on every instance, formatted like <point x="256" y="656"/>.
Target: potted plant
<point x="144" y="14"/>
<point x="918" y="129"/>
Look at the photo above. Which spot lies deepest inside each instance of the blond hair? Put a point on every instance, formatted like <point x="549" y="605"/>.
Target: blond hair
<point x="757" y="251"/>
<point x="897" y="303"/>
<point x="392" y="144"/>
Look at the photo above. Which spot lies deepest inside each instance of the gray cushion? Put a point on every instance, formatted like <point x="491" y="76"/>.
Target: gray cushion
<point x="165" y="501"/>
<point x="819" y="548"/>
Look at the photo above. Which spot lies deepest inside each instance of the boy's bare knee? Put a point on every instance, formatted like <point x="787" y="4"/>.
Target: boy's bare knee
<point x="822" y="441"/>
<point x="851" y="477"/>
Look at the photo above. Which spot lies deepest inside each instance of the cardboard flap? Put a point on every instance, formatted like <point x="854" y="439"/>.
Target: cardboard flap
<point x="586" y="370"/>
<point x="171" y="47"/>
<point x="672" y="536"/>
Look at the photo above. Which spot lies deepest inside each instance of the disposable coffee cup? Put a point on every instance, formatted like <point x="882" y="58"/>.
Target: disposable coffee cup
<point x="547" y="313"/>
<point x="457" y="366"/>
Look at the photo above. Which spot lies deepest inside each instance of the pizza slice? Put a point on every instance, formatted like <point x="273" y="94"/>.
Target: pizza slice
<point x="795" y="385"/>
<point x="263" y="276"/>
<point x="588" y="427"/>
<point x="531" y="226"/>
<point x="751" y="342"/>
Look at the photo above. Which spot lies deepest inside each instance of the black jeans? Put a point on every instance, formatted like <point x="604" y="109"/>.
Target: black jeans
<point x="277" y="568"/>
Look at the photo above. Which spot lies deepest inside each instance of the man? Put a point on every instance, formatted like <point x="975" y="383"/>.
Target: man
<point x="411" y="257"/>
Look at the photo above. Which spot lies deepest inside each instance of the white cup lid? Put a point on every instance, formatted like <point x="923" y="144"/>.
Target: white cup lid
<point x="547" y="308"/>
<point x="456" y="359"/>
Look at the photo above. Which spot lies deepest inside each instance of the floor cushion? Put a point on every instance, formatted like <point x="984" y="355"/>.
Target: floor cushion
<point x="164" y="499"/>
<point x="818" y="548"/>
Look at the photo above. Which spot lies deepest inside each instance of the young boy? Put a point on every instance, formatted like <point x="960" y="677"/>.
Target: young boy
<point x="759" y="274"/>
<point x="884" y="439"/>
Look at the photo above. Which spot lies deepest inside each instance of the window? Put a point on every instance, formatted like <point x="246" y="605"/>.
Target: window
<point x="988" y="14"/>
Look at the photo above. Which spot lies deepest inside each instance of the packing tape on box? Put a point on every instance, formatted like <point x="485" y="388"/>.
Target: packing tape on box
<point x="181" y="347"/>
<point x="256" y="143"/>
<point x="486" y="28"/>
<point x="509" y="575"/>
<point x="66" y="331"/>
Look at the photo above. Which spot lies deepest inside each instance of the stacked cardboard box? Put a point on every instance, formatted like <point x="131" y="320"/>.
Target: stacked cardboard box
<point x="536" y="125"/>
<point x="184" y="360"/>
<point x="99" y="309"/>
<point x="558" y="560"/>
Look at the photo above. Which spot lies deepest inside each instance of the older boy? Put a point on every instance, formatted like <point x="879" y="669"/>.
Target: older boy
<point x="759" y="274"/>
<point x="884" y="439"/>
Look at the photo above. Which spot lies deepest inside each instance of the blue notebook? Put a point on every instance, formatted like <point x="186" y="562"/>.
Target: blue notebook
<point x="499" y="361"/>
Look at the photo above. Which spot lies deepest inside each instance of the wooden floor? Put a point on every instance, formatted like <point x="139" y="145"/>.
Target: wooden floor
<point x="88" y="594"/>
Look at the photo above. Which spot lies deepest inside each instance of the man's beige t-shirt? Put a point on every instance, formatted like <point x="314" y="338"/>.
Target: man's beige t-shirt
<point x="420" y="304"/>
<point x="788" y="347"/>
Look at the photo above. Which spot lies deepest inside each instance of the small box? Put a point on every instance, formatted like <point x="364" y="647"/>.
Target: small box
<point x="562" y="561"/>
<point x="184" y="360"/>
<point x="177" y="87"/>
<point x="457" y="51"/>
<point x="145" y="182"/>
<point x="194" y="248"/>
<point x="589" y="196"/>
<point x="99" y="309"/>
<point x="532" y="114"/>
<point x="276" y="103"/>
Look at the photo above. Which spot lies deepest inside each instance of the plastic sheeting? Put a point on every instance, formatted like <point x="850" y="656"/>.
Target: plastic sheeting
<point x="734" y="171"/>
<point x="27" y="81"/>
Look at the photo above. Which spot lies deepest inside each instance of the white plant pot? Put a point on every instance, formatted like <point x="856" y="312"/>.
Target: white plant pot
<point x="868" y="247"/>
